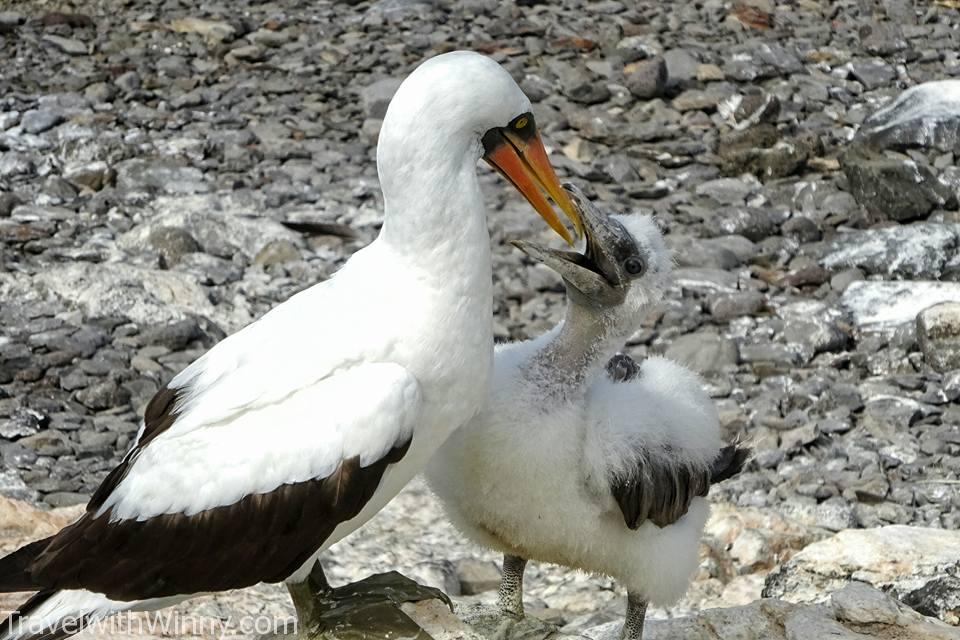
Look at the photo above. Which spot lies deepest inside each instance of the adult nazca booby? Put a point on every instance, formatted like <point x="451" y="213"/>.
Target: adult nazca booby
<point x="294" y="431"/>
<point x="604" y="472"/>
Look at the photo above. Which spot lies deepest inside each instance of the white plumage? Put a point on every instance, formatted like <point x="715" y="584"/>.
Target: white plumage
<point x="387" y="357"/>
<point x="531" y="476"/>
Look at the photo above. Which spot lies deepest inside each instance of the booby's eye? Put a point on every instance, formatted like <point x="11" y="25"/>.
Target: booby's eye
<point x="634" y="266"/>
<point x="521" y="122"/>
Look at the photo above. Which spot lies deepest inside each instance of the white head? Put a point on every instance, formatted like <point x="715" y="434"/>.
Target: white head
<point x="626" y="265"/>
<point x="451" y="111"/>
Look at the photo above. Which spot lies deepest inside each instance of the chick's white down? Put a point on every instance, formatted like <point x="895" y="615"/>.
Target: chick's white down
<point x="531" y="475"/>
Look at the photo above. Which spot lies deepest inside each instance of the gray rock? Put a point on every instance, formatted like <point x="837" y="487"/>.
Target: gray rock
<point x="898" y="559"/>
<point x="767" y="353"/>
<point x="7" y="203"/>
<point x="221" y="224"/>
<point x="65" y="498"/>
<point x="682" y="65"/>
<point x="899" y="188"/>
<point x="128" y="81"/>
<point x="477" y="576"/>
<point x="147" y="297"/>
<point x="92" y="175"/>
<point x="938" y="598"/>
<point x="754" y="223"/>
<point x="277" y="252"/>
<point x="727" y="191"/>
<point x="48" y="443"/>
<point x="705" y="281"/>
<point x="735" y="305"/>
<point x="376" y="96"/>
<point x="23" y="422"/>
<point x="704" y="352"/>
<point x="639" y="47"/>
<point x="103" y="395"/>
<point x="926" y="116"/>
<point x="9" y="119"/>
<point x="581" y="86"/>
<point x="215" y="31"/>
<point x="885" y="306"/>
<point x="840" y="281"/>
<point x="248" y="53"/>
<point x="159" y="175"/>
<point x="13" y="164"/>
<point x="872" y="73"/>
<point x="67" y="45"/>
<point x="172" y="243"/>
<point x="919" y="251"/>
<point x="847" y="613"/>
<point x="174" y="336"/>
<point x="646" y="79"/>
<point x="40" y="120"/>
<point x="938" y="333"/>
<point x="813" y="327"/>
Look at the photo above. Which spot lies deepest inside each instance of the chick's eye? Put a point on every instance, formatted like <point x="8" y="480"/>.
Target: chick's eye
<point x="634" y="266"/>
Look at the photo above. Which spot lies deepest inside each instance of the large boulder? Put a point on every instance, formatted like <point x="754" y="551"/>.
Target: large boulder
<point x="901" y="560"/>
<point x="895" y="185"/>
<point x="927" y="115"/>
<point x="855" y="612"/>
<point x="884" y="306"/>
<point x="886" y="181"/>
<point x="926" y="250"/>
<point x="148" y="297"/>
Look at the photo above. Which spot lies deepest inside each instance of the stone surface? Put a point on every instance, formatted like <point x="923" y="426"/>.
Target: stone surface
<point x="938" y="332"/>
<point x="898" y="559"/>
<point x="926" y="115"/>
<point x="886" y="305"/>
<point x="703" y="352"/>
<point x="250" y="133"/>
<point x="900" y="186"/>
<point x="920" y="251"/>
<point x="896" y="187"/>
<point x="646" y="79"/>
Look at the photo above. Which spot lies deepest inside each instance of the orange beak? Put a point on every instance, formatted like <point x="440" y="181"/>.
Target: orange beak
<point x="517" y="152"/>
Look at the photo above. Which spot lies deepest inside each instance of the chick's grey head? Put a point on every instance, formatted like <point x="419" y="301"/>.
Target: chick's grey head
<point x="625" y="264"/>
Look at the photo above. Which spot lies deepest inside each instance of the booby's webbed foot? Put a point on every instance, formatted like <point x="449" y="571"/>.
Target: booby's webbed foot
<point x="366" y="610"/>
<point x="633" y="622"/>
<point x="510" y="596"/>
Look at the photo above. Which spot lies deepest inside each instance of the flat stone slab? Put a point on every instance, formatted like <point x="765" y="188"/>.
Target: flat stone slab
<point x="886" y="305"/>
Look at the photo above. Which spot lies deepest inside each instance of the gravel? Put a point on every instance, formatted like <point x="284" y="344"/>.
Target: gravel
<point x="164" y="170"/>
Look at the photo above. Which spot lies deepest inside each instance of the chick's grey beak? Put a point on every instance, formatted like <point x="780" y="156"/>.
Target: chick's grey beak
<point x="573" y="267"/>
<point x="600" y="233"/>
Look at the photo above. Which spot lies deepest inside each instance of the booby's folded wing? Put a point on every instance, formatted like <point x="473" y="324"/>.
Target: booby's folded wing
<point x="654" y="435"/>
<point x="244" y="500"/>
<point x="658" y="490"/>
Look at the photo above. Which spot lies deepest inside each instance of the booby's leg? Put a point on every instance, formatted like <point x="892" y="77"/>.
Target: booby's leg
<point x="304" y="593"/>
<point x="510" y="596"/>
<point x="633" y="622"/>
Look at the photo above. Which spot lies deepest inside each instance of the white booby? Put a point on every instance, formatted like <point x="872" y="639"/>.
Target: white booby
<point x="293" y="432"/>
<point x="569" y="464"/>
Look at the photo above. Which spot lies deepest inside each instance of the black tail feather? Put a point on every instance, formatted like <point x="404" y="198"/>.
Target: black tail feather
<point x="13" y="567"/>
<point x="15" y="617"/>
<point x="730" y="461"/>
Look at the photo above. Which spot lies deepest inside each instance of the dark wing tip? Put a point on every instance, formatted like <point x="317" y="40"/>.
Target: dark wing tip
<point x="730" y="461"/>
<point x="659" y="491"/>
<point x="14" y="568"/>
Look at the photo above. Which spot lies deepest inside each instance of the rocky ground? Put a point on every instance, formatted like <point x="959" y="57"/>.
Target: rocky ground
<point x="170" y="172"/>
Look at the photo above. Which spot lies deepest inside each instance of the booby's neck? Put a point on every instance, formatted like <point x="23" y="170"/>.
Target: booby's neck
<point x="581" y="345"/>
<point x="432" y="198"/>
